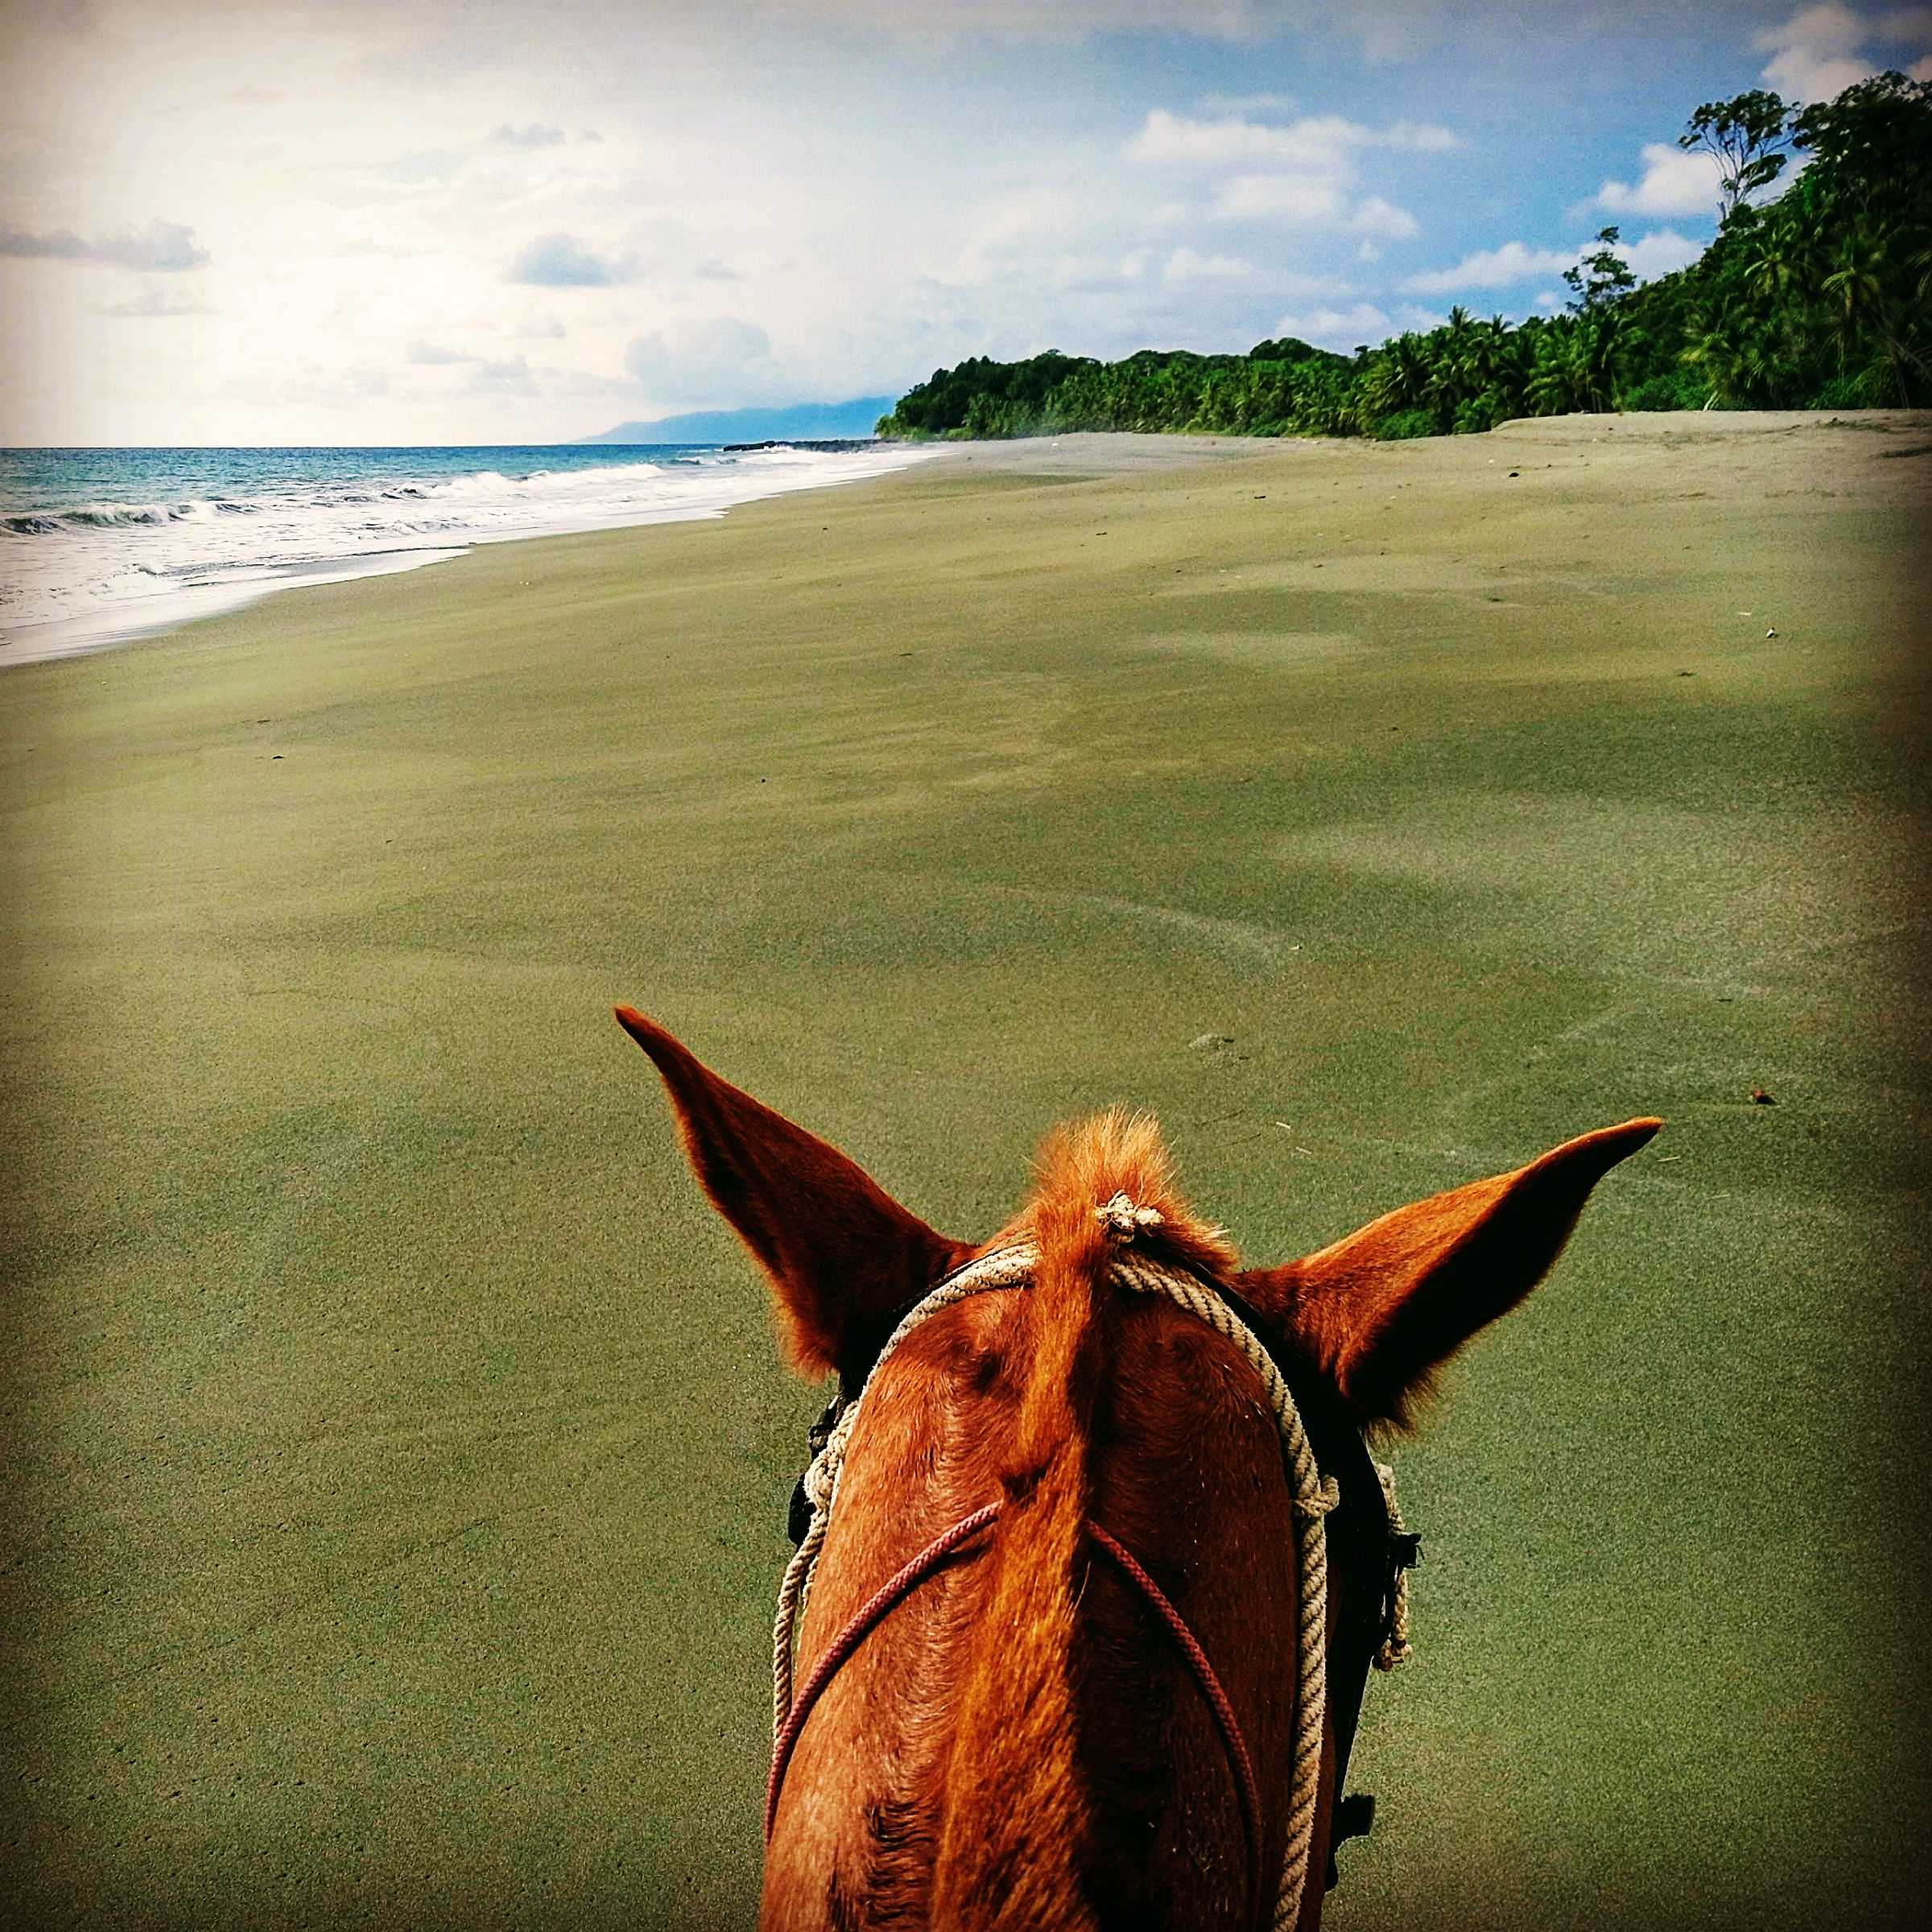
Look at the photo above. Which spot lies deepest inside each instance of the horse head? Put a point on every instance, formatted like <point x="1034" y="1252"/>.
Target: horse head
<point x="1095" y="1559"/>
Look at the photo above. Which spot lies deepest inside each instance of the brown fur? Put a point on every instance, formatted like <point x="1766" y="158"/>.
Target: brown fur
<point x="1015" y="1746"/>
<point x="1382" y="1309"/>
<point x="1018" y="1758"/>
<point x="837" y="1247"/>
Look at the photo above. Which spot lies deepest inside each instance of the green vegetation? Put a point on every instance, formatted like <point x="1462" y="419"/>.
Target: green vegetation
<point x="1817" y="300"/>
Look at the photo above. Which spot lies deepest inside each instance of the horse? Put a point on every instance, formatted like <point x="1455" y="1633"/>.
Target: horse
<point x="1094" y="1558"/>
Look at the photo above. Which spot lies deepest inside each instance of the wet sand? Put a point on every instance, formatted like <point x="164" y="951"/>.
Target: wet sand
<point x="399" y="1450"/>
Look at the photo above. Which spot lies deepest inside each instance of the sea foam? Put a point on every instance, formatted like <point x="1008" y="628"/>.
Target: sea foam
<point x="97" y="545"/>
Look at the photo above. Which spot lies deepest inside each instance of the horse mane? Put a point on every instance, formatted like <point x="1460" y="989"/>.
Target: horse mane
<point x="1015" y="1841"/>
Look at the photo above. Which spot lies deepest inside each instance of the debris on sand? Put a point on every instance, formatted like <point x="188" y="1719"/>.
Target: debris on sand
<point x="1210" y="1043"/>
<point x="1760" y="1098"/>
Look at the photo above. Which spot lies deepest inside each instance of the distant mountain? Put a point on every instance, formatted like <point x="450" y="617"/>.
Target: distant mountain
<point x="816" y="419"/>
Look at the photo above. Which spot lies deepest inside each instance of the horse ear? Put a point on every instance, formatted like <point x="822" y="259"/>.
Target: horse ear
<point x="843" y="1257"/>
<point x="1380" y="1310"/>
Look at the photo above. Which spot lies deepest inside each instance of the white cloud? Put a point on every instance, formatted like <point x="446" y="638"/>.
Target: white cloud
<point x="1659" y="254"/>
<point x="1295" y="175"/>
<point x="367" y="209"/>
<point x="1291" y="200"/>
<point x="429" y="166"/>
<point x="513" y="378"/>
<point x="1492" y="268"/>
<point x="1547" y="299"/>
<point x="1301" y="201"/>
<point x="1175" y="140"/>
<point x="1820" y="51"/>
<point x="1184" y="265"/>
<point x="1376" y="217"/>
<point x="1648" y="256"/>
<point x="1095" y="275"/>
<point x="157" y="302"/>
<point x="1825" y="29"/>
<point x="1327" y="289"/>
<point x="1802" y="74"/>
<point x="1337" y="328"/>
<point x="1065" y="20"/>
<point x="1027" y="212"/>
<point x="1315" y="141"/>
<point x="715" y="361"/>
<point x="429" y="355"/>
<point x="1673" y="183"/>
<point x="1389" y="36"/>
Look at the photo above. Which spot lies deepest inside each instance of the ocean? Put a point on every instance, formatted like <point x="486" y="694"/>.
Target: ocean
<point x="97" y="545"/>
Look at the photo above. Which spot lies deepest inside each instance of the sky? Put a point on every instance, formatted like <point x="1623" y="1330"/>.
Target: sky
<point x="422" y="221"/>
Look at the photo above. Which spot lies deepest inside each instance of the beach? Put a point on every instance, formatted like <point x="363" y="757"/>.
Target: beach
<point x="399" y="1446"/>
<point x="101" y="546"/>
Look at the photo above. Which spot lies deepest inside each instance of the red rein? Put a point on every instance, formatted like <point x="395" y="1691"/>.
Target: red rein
<point x="935" y="1557"/>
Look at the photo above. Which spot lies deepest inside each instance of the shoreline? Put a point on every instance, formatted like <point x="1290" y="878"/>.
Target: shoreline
<point x="1093" y="456"/>
<point x="131" y="621"/>
<point x="62" y="637"/>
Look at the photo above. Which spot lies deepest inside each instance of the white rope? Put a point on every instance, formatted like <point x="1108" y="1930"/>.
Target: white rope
<point x="1314" y="1496"/>
<point x="1004" y="1268"/>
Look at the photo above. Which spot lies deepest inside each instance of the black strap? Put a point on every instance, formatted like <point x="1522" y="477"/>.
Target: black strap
<point x="1354" y="1818"/>
<point x="797" y="1512"/>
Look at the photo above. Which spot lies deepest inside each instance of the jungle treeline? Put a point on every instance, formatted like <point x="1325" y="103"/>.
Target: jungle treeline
<point x="1818" y="298"/>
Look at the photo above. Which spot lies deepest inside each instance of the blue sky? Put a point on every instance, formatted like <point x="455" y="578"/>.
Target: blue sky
<point x="229" y="220"/>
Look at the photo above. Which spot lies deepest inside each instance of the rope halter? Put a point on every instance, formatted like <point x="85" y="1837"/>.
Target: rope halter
<point x="1313" y="1495"/>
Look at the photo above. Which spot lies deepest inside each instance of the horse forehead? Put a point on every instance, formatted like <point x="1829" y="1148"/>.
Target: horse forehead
<point x="1157" y="1359"/>
<point x="974" y="1352"/>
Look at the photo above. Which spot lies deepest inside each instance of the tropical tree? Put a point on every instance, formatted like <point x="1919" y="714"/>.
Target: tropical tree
<point x="1854" y="292"/>
<point x="1783" y="264"/>
<point x="1749" y="136"/>
<point x="1820" y="297"/>
<point x="1601" y="278"/>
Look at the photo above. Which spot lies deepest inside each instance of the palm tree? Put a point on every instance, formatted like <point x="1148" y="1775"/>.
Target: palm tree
<point x="1500" y="356"/>
<point x="1855" y="290"/>
<point x="1784" y="264"/>
<point x="1898" y="372"/>
<point x="1600" y="338"/>
<point x="1558" y="375"/>
<point x="1397" y="378"/>
<point x="1740" y="369"/>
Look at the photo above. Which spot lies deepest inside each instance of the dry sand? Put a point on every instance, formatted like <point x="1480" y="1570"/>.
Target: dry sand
<point x="399" y="1451"/>
<point x="1088" y="455"/>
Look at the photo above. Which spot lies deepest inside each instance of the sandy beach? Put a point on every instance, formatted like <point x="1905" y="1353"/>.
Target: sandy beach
<point x="398" y="1448"/>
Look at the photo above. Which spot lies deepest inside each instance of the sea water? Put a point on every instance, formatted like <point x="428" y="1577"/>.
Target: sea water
<point x="99" y="545"/>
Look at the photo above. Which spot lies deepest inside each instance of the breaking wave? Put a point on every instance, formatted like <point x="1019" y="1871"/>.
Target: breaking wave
<point x="96" y="543"/>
